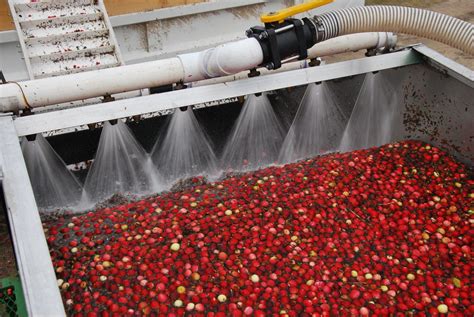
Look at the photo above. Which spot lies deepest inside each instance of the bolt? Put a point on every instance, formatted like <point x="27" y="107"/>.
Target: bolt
<point x="315" y="62"/>
<point x="31" y="137"/>
<point x="371" y="52"/>
<point x="263" y="35"/>
<point x="270" y="66"/>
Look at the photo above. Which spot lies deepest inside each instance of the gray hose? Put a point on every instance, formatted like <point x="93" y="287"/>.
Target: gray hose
<point x="419" y="22"/>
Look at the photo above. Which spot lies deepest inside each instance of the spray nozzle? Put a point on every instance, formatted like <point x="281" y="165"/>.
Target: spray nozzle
<point x="31" y="137"/>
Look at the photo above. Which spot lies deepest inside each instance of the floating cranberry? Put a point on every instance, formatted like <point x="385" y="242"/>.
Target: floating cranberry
<point x="382" y="231"/>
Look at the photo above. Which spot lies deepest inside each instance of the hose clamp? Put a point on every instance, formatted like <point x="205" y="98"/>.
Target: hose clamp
<point x="319" y="30"/>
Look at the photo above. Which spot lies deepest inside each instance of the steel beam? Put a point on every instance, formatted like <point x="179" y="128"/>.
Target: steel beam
<point x="75" y="117"/>
<point x="36" y="271"/>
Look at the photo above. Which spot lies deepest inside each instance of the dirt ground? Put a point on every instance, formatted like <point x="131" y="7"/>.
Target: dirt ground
<point x="462" y="9"/>
<point x="7" y="257"/>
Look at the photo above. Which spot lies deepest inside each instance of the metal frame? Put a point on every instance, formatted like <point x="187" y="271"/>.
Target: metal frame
<point x="74" y="117"/>
<point x="35" y="267"/>
<point x="112" y="37"/>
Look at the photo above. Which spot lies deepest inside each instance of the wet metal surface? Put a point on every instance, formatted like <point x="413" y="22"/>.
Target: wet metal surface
<point x="440" y="110"/>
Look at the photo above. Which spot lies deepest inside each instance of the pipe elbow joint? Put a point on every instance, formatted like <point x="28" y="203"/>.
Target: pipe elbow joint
<point x="223" y="60"/>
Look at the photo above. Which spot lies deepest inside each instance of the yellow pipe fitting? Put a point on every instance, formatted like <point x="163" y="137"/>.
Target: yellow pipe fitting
<point x="281" y="15"/>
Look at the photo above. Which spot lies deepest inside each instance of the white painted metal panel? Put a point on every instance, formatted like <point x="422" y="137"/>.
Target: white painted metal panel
<point x="36" y="271"/>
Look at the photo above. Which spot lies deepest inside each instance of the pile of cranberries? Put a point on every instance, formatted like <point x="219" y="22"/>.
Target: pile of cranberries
<point x="372" y="232"/>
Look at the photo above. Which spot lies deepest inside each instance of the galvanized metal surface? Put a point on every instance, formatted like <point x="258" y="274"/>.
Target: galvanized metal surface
<point x="446" y="65"/>
<point x="41" y="292"/>
<point x="73" y="117"/>
<point x="439" y="109"/>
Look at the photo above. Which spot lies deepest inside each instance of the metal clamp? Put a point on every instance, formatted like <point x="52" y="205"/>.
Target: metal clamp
<point x="298" y="25"/>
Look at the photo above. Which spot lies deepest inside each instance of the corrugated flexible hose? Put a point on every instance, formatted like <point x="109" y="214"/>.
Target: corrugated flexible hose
<point x="419" y="22"/>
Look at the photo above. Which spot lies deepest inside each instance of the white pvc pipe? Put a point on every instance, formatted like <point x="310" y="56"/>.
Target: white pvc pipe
<point x="353" y="43"/>
<point x="11" y="97"/>
<point x="242" y="75"/>
<point x="219" y="61"/>
<point x="61" y="89"/>
<point x="338" y="45"/>
<point x="223" y="60"/>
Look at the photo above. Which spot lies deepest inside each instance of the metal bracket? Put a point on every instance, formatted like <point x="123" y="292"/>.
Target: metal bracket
<point x="108" y="98"/>
<point x="253" y="73"/>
